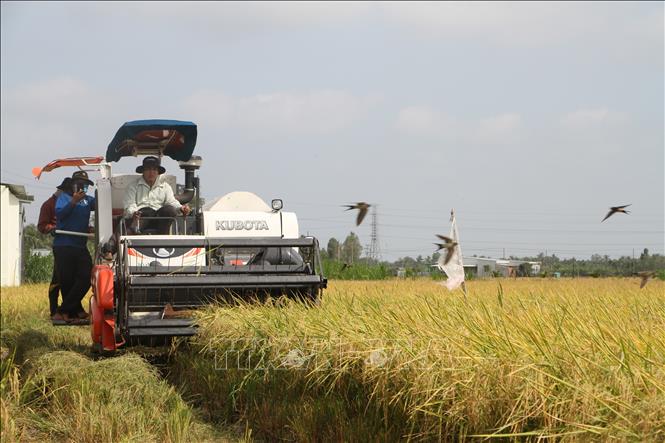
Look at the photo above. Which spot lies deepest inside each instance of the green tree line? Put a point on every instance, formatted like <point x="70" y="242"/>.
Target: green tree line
<point x="345" y="260"/>
<point x="338" y="254"/>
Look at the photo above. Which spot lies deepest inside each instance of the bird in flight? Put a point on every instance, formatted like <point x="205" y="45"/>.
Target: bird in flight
<point x="645" y="275"/>
<point x="345" y="266"/>
<point x="362" y="208"/>
<point x="449" y="245"/>
<point x="615" y="209"/>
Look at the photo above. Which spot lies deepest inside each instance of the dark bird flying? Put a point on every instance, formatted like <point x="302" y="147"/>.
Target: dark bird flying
<point x="645" y="276"/>
<point x="615" y="209"/>
<point x="362" y="208"/>
<point x="449" y="245"/>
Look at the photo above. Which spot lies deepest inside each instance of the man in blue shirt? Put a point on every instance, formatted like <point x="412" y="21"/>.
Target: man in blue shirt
<point x="73" y="262"/>
<point x="46" y="225"/>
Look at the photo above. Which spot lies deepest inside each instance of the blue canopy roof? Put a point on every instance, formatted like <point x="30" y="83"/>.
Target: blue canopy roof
<point x="172" y="138"/>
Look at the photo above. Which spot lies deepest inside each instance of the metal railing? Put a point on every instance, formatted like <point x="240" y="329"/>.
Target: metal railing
<point x="125" y="230"/>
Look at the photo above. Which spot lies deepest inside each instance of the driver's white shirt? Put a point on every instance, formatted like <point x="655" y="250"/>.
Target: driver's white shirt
<point x="141" y="195"/>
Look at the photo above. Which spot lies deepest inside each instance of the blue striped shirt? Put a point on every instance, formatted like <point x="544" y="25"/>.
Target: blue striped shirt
<point x="72" y="218"/>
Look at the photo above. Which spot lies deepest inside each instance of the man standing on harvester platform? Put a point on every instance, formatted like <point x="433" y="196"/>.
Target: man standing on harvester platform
<point x="46" y="225"/>
<point x="73" y="262"/>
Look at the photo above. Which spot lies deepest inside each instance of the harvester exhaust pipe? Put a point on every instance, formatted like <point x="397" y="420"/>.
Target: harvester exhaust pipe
<point x="189" y="167"/>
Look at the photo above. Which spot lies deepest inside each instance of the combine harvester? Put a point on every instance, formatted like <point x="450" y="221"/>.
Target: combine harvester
<point x="237" y="248"/>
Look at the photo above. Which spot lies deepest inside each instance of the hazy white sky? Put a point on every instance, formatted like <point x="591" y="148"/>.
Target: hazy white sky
<point x="530" y="119"/>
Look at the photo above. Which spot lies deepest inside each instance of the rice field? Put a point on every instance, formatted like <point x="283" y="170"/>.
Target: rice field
<point x="580" y="359"/>
<point x="52" y="388"/>
<point x="525" y="359"/>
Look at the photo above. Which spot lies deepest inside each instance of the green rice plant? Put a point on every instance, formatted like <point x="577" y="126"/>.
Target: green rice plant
<point x="38" y="269"/>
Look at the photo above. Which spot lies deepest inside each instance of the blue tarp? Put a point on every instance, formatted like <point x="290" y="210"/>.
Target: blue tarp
<point x="125" y="140"/>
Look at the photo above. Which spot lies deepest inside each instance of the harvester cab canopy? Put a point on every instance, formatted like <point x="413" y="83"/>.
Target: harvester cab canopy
<point x="173" y="138"/>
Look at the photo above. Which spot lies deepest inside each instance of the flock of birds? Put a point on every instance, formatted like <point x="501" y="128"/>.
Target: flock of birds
<point x="449" y="244"/>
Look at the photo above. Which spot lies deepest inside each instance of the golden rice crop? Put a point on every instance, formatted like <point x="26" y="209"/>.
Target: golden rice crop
<point x="581" y="359"/>
<point x="51" y="388"/>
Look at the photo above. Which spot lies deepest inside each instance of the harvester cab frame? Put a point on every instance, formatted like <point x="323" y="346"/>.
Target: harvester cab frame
<point x="235" y="248"/>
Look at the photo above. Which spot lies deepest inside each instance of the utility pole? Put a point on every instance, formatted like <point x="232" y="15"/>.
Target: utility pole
<point x="352" y="252"/>
<point x="374" y="253"/>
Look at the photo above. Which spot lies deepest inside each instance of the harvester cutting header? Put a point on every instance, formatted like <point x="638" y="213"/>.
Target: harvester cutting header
<point x="148" y="268"/>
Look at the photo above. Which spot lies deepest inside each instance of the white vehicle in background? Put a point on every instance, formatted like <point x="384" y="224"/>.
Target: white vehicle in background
<point x="236" y="248"/>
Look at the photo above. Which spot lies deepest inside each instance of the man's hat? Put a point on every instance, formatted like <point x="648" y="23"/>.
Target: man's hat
<point x="66" y="183"/>
<point x="82" y="176"/>
<point x="151" y="161"/>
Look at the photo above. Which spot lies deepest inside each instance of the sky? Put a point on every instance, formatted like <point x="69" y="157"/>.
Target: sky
<point x="529" y="119"/>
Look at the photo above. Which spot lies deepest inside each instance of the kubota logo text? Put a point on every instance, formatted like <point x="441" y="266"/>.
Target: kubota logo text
<point x="237" y="225"/>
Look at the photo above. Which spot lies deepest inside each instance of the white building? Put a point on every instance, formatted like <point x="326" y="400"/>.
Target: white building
<point x="12" y="198"/>
<point x="41" y="252"/>
<point x="485" y="266"/>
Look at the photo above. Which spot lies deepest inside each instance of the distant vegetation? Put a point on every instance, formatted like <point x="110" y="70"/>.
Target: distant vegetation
<point x="602" y="265"/>
<point x="38" y="269"/>
<point x="345" y="261"/>
<point x="349" y="252"/>
<point x="357" y="271"/>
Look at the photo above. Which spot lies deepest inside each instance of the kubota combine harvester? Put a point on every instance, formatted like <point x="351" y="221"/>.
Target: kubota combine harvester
<point x="236" y="247"/>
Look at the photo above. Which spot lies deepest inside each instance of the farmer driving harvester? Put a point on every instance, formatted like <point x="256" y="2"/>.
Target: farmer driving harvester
<point x="152" y="197"/>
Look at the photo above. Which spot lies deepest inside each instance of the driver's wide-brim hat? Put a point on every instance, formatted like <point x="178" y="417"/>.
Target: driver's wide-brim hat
<point x="151" y="161"/>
